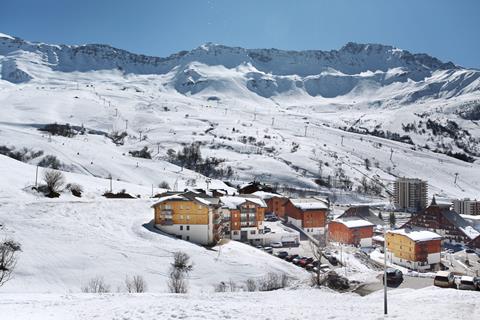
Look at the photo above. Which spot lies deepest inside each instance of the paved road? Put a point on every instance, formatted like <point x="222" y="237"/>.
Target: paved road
<point x="408" y="282"/>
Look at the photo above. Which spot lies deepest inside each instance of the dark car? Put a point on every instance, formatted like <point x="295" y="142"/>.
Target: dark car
<point x="469" y="250"/>
<point x="303" y="262"/>
<point x="266" y="230"/>
<point x="290" y="257"/>
<point x="271" y="219"/>
<point x="394" y="276"/>
<point x="282" y="254"/>
<point x="332" y="259"/>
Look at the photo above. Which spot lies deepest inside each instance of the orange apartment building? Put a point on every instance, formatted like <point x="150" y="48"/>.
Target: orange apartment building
<point x="352" y="231"/>
<point x="245" y="215"/>
<point x="309" y="214"/>
<point x="275" y="202"/>
<point x="414" y="249"/>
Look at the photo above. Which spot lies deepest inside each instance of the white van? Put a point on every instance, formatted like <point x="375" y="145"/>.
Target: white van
<point x="444" y="279"/>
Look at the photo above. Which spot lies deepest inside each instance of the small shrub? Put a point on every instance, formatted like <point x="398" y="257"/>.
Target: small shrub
<point x="221" y="287"/>
<point x="143" y="153"/>
<point x="273" y="281"/>
<point x="50" y="161"/>
<point x="75" y="189"/>
<point x="96" y="285"/>
<point x="135" y="285"/>
<point x="54" y="181"/>
<point x="164" y="185"/>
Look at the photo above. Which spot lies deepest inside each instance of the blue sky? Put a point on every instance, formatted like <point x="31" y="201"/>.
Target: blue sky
<point x="449" y="30"/>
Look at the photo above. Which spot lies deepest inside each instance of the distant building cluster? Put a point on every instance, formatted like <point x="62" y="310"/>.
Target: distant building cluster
<point x="207" y="216"/>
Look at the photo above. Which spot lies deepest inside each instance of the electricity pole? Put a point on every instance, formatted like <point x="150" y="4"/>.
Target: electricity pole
<point x="391" y="154"/>
<point x="306" y="126"/>
<point x="126" y="125"/>
<point x="342" y="140"/>
<point x="456" y="176"/>
<point x="273" y="121"/>
<point x="36" y="177"/>
<point x="385" y="308"/>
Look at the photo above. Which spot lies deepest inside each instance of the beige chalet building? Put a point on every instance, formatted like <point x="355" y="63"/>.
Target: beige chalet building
<point x="189" y="216"/>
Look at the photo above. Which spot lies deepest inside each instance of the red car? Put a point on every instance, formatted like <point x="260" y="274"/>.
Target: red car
<point x="303" y="262"/>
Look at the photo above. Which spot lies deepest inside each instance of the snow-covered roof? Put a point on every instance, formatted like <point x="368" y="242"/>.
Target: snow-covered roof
<point x="470" y="232"/>
<point x="354" y="222"/>
<point x="186" y="197"/>
<point x="232" y="202"/>
<point x="171" y="197"/>
<point x="266" y="195"/>
<point x="309" y="203"/>
<point x="417" y="235"/>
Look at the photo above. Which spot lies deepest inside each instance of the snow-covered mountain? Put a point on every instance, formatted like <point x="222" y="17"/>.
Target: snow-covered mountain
<point x="282" y="116"/>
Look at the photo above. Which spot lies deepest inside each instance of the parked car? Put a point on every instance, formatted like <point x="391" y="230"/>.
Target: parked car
<point x="266" y="230"/>
<point x="331" y="258"/>
<point x="469" y="250"/>
<point x="297" y="260"/>
<point x="324" y="267"/>
<point x="467" y="283"/>
<point x="476" y="280"/>
<point x="276" y="244"/>
<point x="303" y="262"/>
<point x="268" y="249"/>
<point x="271" y="219"/>
<point x="394" y="276"/>
<point x="444" y="279"/>
<point x="290" y="257"/>
<point x="282" y="254"/>
<point x="259" y="247"/>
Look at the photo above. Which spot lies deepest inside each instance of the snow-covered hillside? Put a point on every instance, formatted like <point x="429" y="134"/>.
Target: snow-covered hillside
<point x="281" y="116"/>
<point x="68" y="241"/>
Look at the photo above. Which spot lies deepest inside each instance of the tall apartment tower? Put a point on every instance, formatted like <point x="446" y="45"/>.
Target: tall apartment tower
<point x="467" y="206"/>
<point x="410" y="194"/>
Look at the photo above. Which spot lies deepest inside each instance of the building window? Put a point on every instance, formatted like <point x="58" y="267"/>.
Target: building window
<point x="181" y="228"/>
<point x="235" y="233"/>
<point x="181" y="216"/>
<point x="188" y="238"/>
<point x="188" y="217"/>
<point x="252" y="231"/>
<point x="188" y="228"/>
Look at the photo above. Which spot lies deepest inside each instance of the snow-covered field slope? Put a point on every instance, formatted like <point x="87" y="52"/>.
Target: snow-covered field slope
<point x="428" y="303"/>
<point x="67" y="241"/>
<point x="272" y="115"/>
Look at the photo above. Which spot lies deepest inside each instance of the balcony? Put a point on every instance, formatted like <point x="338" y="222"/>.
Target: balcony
<point x="166" y="222"/>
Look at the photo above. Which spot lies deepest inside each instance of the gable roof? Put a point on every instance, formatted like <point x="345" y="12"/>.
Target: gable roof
<point x="309" y="204"/>
<point x="416" y="234"/>
<point x="233" y="202"/>
<point x="354" y="222"/>
<point x="189" y="196"/>
<point x="362" y="212"/>
<point x="267" y="195"/>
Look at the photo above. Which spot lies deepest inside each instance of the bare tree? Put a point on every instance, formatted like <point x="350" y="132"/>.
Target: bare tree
<point x="251" y="285"/>
<point x="318" y="248"/>
<point x="233" y="285"/>
<point x="135" y="285"/>
<point x="96" y="285"/>
<point x="221" y="287"/>
<point x="54" y="180"/>
<point x="8" y="259"/>
<point x="181" y="266"/>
